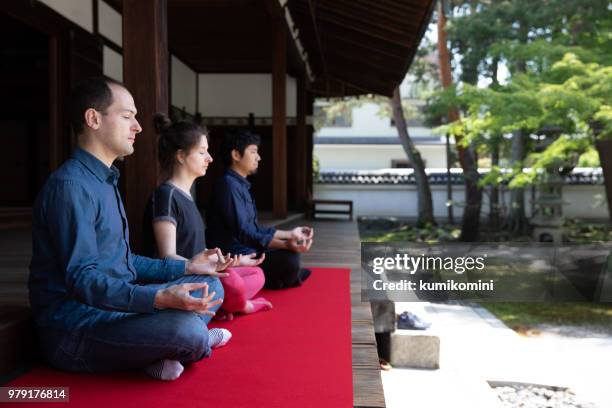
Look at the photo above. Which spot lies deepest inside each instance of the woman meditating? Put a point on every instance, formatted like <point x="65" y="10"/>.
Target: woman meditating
<point x="173" y="225"/>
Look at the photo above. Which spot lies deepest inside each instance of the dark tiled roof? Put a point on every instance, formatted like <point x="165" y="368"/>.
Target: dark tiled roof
<point x="436" y="176"/>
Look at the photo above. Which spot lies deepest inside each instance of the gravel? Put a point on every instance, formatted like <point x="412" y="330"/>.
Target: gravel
<point x="530" y="396"/>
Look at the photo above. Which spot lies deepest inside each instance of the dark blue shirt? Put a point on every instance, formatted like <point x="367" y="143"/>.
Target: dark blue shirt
<point x="232" y="217"/>
<point x="81" y="262"/>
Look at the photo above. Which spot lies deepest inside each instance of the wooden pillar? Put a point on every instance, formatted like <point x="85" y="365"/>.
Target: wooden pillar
<point x="309" y="147"/>
<point x="301" y="144"/>
<point x="279" y="122"/>
<point x="145" y="73"/>
<point x="57" y="95"/>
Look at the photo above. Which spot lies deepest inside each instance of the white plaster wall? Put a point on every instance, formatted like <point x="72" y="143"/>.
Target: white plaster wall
<point x="367" y="122"/>
<point x="110" y="23"/>
<point x="79" y="12"/>
<point x="372" y="157"/>
<point x="586" y="201"/>
<point x="112" y="64"/>
<point x="237" y="95"/>
<point x="291" y="95"/>
<point x="183" y="86"/>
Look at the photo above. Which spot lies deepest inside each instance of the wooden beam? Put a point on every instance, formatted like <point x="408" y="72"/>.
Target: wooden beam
<point x="223" y="4"/>
<point x="395" y="36"/>
<point x="279" y="126"/>
<point x="337" y="37"/>
<point x="367" y="46"/>
<point x="364" y="62"/>
<point x="317" y="30"/>
<point x="145" y="72"/>
<point x="382" y="86"/>
<point x="277" y="14"/>
<point x="398" y="8"/>
<point x="365" y="16"/>
<point x="374" y="9"/>
<point x="301" y="144"/>
<point x="326" y="18"/>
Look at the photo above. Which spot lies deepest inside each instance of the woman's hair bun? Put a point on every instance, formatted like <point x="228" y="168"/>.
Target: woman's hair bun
<point x="161" y="122"/>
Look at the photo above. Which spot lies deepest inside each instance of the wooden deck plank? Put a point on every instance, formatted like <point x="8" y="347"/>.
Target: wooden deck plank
<point x="361" y="313"/>
<point x="363" y="334"/>
<point x="367" y="388"/>
<point x="365" y="356"/>
<point x="337" y="245"/>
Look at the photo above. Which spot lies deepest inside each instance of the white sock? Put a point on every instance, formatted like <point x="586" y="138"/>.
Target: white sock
<point x="166" y="370"/>
<point x="218" y="337"/>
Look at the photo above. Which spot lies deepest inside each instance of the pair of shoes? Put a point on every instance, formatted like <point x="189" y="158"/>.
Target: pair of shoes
<point x="410" y="321"/>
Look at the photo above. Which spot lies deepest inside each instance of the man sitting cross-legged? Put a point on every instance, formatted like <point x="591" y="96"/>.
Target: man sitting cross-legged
<point x="232" y="218"/>
<point x="98" y="307"/>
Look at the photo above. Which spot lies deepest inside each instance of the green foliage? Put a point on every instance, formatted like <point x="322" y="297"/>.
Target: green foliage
<point x="590" y="158"/>
<point x="329" y="111"/>
<point x="586" y="232"/>
<point x="560" y="156"/>
<point x="525" y="34"/>
<point x="494" y="177"/>
<point x="603" y="118"/>
<point x="558" y="54"/>
<point x="315" y="168"/>
<point x="521" y="316"/>
<point x="570" y="97"/>
<point x="393" y="230"/>
<point x="409" y="233"/>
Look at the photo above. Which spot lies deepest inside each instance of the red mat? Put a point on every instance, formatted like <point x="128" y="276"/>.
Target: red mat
<point x="296" y="355"/>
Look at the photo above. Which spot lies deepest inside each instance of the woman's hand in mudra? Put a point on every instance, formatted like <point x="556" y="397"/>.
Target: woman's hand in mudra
<point x="211" y="262"/>
<point x="251" y="259"/>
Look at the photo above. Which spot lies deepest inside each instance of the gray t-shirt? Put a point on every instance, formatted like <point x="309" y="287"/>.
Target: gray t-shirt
<point x="170" y="203"/>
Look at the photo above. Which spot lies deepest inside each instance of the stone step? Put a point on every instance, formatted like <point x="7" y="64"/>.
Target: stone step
<point x="415" y="349"/>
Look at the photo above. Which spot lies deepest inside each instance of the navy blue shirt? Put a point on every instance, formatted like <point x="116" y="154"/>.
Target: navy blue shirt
<point x="170" y="203"/>
<point x="232" y="217"/>
<point x="81" y="262"/>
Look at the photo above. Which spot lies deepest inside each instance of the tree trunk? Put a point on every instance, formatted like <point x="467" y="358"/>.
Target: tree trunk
<point x="425" y="204"/>
<point x="470" y="223"/>
<point x="516" y="221"/>
<point x="494" y="68"/>
<point x="604" y="148"/>
<point x="494" y="199"/>
<point x="449" y="183"/>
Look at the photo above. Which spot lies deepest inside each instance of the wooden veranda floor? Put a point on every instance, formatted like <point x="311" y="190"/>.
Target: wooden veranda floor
<point x="337" y="245"/>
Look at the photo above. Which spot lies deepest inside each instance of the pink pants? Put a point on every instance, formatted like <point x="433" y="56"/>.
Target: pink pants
<point x="241" y="285"/>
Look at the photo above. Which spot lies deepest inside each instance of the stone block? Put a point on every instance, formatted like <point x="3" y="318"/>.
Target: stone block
<point x="415" y="349"/>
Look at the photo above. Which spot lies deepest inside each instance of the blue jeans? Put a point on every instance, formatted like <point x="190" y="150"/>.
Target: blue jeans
<point x="122" y="341"/>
